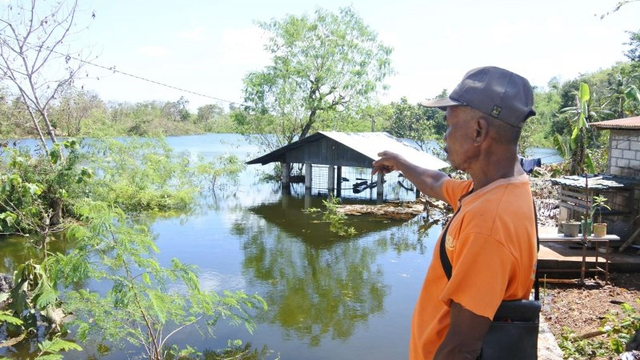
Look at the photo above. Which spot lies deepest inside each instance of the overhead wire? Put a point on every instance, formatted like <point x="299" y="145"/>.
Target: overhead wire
<point x="114" y="70"/>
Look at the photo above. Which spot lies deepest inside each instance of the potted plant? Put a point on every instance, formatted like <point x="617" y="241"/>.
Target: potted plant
<point x="599" y="227"/>
<point x="571" y="228"/>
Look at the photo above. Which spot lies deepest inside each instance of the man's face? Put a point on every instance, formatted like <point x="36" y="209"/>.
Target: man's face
<point x="459" y="137"/>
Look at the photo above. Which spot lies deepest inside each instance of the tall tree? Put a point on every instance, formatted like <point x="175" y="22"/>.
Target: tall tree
<point x="633" y="53"/>
<point x="208" y="112"/>
<point x="413" y="122"/>
<point x="624" y="95"/>
<point x="321" y="64"/>
<point x="35" y="58"/>
<point x="75" y="107"/>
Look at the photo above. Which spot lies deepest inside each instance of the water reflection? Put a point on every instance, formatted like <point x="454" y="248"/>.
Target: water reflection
<point x="16" y="250"/>
<point x="316" y="283"/>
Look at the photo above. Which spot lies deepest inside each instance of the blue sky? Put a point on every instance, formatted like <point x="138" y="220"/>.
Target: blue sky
<point x="208" y="46"/>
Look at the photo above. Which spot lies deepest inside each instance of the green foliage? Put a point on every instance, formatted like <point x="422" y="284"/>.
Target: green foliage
<point x="321" y="65"/>
<point x="223" y="167"/>
<point x="574" y="148"/>
<point x="51" y="349"/>
<point x="140" y="175"/>
<point x="34" y="308"/>
<point x="147" y="303"/>
<point x="599" y="202"/>
<point x="536" y="131"/>
<point x="236" y="350"/>
<point x="137" y="175"/>
<point x="416" y="122"/>
<point x="574" y="346"/>
<point x="37" y="192"/>
<point x="633" y="53"/>
<point x="621" y="327"/>
<point x="617" y="329"/>
<point x="5" y="316"/>
<point x="335" y="218"/>
<point x="34" y="188"/>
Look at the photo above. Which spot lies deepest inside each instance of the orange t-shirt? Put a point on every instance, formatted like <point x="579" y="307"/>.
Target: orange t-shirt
<point x="491" y="244"/>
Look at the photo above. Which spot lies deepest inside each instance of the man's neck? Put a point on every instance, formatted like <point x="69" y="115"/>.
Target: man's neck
<point x="495" y="170"/>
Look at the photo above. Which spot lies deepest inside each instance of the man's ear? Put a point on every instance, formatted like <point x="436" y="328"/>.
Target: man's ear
<point x="482" y="130"/>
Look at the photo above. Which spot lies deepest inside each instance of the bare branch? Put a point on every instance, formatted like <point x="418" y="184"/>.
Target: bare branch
<point x="31" y="38"/>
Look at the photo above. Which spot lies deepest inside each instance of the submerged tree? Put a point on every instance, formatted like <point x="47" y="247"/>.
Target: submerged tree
<point x="321" y="64"/>
<point x="35" y="57"/>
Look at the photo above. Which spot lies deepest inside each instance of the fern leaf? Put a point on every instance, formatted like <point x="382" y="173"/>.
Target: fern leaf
<point x="46" y="298"/>
<point x="158" y="306"/>
<point x="57" y="345"/>
<point x="6" y="316"/>
<point x="50" y="357"/>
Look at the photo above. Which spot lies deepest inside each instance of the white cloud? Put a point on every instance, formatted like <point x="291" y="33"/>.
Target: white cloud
<point x="244" y="46"/>
<point x="153" y="51"/>
<point x="196" y="35"/>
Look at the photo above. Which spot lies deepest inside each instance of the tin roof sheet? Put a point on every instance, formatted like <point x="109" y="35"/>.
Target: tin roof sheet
<point x="368" y="144"/>
<point x="626" y="123"/>
<point x="595" y="181"/>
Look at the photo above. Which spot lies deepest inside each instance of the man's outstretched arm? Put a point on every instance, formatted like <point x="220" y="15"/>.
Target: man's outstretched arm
<point x="427" y="181"/>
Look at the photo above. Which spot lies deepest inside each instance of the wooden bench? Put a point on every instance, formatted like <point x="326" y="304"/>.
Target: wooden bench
<point x="580" y="240"/>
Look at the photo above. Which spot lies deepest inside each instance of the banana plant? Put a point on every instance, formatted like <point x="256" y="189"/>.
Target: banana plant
<point x="575" y="147"/>
<point x="581" y="162"/>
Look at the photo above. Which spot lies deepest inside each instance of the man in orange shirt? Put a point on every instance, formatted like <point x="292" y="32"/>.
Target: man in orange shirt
<point x="491" y="239"/>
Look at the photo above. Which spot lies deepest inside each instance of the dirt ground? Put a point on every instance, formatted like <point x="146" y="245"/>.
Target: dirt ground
<point x="582" y="308"/>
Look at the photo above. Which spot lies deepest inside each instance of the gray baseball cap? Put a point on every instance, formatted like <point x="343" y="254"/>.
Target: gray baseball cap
<point x="500" y="93"/>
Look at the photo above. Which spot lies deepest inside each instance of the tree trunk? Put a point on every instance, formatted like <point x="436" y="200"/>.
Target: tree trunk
<point x="307" y="126"/>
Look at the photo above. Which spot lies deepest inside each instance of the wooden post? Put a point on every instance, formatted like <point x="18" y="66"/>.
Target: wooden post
<point x="286" y="181"/>
<point x="307" y="176"/>
<point x="339" y="180"/>
<point x="380" y="189"/>
<point x="308" y="173"/>
<point x="331" y="183"/>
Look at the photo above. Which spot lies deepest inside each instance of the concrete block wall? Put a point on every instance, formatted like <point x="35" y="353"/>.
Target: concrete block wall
<point x="624" y="157"/>
<point x="624" y="160"/>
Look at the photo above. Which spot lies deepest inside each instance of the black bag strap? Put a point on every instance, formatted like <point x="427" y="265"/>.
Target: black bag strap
<point x="446" y="263"/>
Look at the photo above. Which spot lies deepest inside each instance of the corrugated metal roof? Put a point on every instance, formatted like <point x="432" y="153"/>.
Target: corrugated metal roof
<point x="626" y="123"/>
<point x="595" y="182"/>
<point x="368" y="144"/>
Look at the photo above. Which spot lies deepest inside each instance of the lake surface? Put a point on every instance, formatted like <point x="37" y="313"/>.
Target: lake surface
<point x="328" y="297"/>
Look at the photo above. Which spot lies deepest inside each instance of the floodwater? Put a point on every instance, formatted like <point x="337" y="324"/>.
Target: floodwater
<point x="328" y="297"/>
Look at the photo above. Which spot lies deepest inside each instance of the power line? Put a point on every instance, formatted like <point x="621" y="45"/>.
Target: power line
<point x="114" y="70"/>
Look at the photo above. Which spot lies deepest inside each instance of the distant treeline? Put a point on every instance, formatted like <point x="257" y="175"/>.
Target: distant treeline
<point x="83" y="114"/>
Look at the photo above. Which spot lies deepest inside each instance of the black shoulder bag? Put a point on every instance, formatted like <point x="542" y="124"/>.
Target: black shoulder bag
<point x="514" y="330"/>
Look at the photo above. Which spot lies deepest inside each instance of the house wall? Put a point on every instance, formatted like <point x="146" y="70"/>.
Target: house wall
<point x="624" y="160"/>
<point x="624" y="156"/>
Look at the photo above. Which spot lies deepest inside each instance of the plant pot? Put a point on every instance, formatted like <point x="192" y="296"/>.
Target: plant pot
<point x="588" y="227"/>
<point x="571" y="229"/>
<point x="600" y="229"/>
